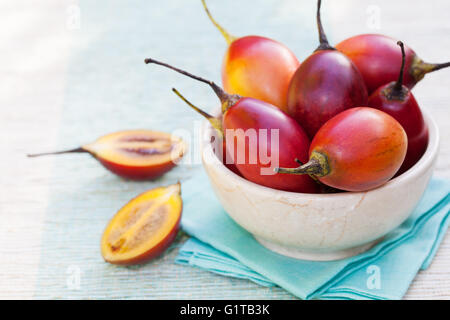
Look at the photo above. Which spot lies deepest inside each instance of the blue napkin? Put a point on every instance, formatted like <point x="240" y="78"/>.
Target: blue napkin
<point x="383" y="272"/>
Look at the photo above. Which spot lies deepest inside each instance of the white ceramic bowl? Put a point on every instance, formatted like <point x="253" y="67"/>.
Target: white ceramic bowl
<point x="320" y="226"/>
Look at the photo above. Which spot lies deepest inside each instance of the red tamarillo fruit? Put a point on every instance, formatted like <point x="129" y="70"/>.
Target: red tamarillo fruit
<point x="325" y="84"/>
<point x="398" y="101"/>
<point x="378" y="59"/>
<point x="357" y="150"/>
<point x="256" y="67"/>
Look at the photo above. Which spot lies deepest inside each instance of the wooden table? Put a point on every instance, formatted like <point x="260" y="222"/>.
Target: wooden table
<point x="37" y="40"/>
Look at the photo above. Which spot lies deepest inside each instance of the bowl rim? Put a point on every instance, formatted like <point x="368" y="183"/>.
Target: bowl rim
<point x="425" y="162"/>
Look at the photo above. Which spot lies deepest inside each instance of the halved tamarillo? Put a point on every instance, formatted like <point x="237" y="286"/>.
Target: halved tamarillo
<point x="256" y="67"/>
<point x="357" y="150"/>
<point x="257" y="136"/>
<point x="378" y="59"/>
<point x="326" y="83"/>
<point x="144" y="227"/>
<point x="133" y="154"/>
<point x="398" y="101"/>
